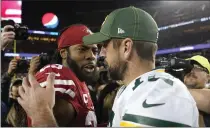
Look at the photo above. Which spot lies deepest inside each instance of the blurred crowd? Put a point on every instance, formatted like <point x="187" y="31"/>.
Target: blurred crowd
<point x="99" y="79"/>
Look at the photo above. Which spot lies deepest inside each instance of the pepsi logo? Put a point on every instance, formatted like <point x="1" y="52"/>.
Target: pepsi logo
<point x="50" y="20"/>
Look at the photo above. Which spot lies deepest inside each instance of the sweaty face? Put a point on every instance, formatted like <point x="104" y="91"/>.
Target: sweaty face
<point x="82" y="60"/>
<point x="117" y="66"/>
<point x="196" y="79"/>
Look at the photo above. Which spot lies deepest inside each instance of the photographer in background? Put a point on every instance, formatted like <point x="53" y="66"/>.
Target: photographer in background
<point x="6" y="80"/>
<point x="18" y="67"/>
<point x="11" y="31"/>
<point x="5" y="84"/>
<point x="196" y="80"/>
<point x="16" y="116"/>
<point x="38" y="62"/>
<point x="7" y="36"/>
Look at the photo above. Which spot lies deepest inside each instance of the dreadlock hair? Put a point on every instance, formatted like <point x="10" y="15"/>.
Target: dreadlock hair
<point x="56" y="59"/>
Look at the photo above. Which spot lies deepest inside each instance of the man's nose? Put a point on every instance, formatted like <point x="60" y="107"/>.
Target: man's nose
<point x="90" y="55"/>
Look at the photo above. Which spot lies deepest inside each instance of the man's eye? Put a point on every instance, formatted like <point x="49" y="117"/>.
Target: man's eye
<point x="81" y="49"/>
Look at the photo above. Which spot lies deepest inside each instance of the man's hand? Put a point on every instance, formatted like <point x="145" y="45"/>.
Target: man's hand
<point x="34" y="65"/>
<point x="12" y="66"/>
<point x="38" y="102"/>
<point x="7" y="36"/>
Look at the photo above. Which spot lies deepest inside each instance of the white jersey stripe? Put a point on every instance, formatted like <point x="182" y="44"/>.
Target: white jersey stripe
<point x="58" y="82"/>
<point x="63" y="90"/>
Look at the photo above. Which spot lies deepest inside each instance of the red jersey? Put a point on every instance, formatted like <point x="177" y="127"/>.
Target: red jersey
<point x="70" y="88"/>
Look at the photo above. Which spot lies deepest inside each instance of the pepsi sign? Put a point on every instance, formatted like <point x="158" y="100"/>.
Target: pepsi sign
<point x="50" y="20"/>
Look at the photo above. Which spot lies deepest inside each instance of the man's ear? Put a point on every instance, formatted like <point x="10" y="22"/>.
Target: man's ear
<point x="63" y="53"/>
<point x="208" y="76"/>
<point x="127" y="45"/>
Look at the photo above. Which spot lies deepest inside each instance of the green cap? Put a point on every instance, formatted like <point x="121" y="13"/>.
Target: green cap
<point x="129" y="22"/>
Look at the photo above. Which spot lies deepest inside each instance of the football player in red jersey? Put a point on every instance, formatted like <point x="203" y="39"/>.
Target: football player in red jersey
<point x="74" y="65"/>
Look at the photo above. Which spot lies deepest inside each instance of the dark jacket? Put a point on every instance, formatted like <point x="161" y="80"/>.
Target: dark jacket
<point x="5" y="85"/>
<point x="2" y="55"/>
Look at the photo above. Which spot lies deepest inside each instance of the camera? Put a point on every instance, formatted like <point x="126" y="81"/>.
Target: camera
<point x="175" y="66"/>
<point x="45" y="59"/>
<point x="22" y="66"/>
<point x="21" y="31"/>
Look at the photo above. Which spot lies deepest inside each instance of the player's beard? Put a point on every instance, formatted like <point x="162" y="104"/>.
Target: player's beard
<point x="117" y="71"/>
<point x="90" y="79"/>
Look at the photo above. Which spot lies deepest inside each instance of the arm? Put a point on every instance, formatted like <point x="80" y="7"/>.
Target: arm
<point x="6" y="80"/>
<point x="44" y="118"/>
<point x="64" y="112"/>
<point x="62" y="115"/>
<point x="7" y="37"/>
<point x="202" y="98"/>
<point x="34" y="65"/>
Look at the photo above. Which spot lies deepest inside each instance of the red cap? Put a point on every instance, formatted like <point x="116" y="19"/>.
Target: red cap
<point x="73" y="35"/>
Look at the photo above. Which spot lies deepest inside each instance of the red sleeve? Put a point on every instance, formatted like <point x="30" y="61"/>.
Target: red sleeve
<point x="64" y="83"/>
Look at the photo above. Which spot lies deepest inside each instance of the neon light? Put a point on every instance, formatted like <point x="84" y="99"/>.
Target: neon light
<point x="20" y="54"/>
<point x="11" y="54"/>
<point x="38" y="32"/>
<point x="185" y="48"/>
<point x="201" y="46"/>
<point x="160" y="29"/>
<point x="166" y="51"/>
<point x="43" y="32"/>
<point x="159" y="52"/>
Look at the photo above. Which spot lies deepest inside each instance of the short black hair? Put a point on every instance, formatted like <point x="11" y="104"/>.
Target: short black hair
<point x="145" y="50"/>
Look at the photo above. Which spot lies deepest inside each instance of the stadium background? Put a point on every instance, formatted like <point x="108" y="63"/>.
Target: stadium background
<point x="181" y="23"/>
